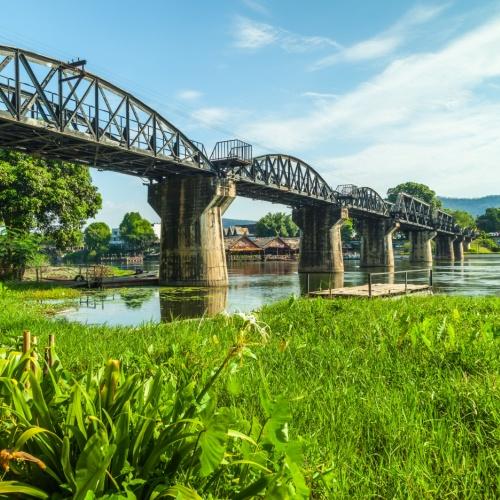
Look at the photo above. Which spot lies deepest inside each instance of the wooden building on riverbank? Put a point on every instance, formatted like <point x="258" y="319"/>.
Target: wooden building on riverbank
<point x="261" y="248"/>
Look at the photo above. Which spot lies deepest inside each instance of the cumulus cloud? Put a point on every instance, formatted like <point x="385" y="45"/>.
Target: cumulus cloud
<point x="424" y="116"/>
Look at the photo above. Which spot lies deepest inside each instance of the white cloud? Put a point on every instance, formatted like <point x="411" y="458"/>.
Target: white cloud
<point x="424" y="117"/>
<point x="189" y="95"/>
<point x="385" y="43"/>
<point x="211" y="116"/>
<point x="256" y="7"/>
<point x="252" y="35"/>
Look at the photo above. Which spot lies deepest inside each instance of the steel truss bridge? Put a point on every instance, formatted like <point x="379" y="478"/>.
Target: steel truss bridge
<point x="60" y="111"/>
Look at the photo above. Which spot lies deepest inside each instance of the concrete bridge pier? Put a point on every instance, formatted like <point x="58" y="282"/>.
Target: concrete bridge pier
<point x="192" y="241"/>
<point x="321" y="241"/>
<point x="445" y="247"/>
<point x="458" y="247"/>
<point x="467" y="243"/>
<point x="376" y="242"/>
<point x="420" y="246"/>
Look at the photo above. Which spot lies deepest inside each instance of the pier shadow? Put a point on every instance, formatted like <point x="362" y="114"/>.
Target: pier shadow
<point x="188" y="303"/>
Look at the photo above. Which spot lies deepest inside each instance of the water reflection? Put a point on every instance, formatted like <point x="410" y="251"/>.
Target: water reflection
<point x="253" y="285"/>
<point x="187" y="303"/>
<point x="310" y="282"/>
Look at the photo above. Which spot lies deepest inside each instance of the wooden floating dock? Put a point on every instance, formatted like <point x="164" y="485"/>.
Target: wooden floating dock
<point x="377" y="290"/>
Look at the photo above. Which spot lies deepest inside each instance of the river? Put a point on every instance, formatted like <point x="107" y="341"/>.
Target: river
<point x="254" y="284"/>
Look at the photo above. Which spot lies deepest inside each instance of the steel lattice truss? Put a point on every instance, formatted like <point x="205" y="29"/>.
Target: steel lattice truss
<point x="365" y="200"/>
<point x="280" y="178"/>
<point x="60" y="111"/>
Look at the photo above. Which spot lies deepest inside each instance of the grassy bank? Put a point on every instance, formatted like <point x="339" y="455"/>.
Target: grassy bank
<point x="390" y="398"/>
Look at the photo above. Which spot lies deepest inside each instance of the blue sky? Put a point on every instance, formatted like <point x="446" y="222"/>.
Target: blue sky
<point x="369" y="93"/>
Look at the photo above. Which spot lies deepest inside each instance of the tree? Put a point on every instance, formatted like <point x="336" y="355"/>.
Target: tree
<point x="97" y="237"/>
<point x="462" y="218"/>
<point x="489" y="221"/>
<point x="347" y="231"/>
<point x="137" y="232"/>
<point x="52" y="198"/>
<point x="420" y="191"/>
<point x="276" y="224"/>
<point x="17" y="250"/>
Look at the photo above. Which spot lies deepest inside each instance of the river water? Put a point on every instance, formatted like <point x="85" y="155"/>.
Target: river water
<point x="254" y="284"/>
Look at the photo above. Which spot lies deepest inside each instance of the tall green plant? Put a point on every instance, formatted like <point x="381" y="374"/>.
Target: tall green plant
<point x="138" y="436"/>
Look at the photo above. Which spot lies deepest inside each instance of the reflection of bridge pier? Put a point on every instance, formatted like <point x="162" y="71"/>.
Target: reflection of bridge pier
<point x="376" y="242"/>
<point x="321" y="241"/>
<point x="311" y="282"/>
<point x="192" y="242"/>
<point x="192" y="304"/>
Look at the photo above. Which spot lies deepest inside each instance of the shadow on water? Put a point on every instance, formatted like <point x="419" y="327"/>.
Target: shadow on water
<point x="253" y="285"/>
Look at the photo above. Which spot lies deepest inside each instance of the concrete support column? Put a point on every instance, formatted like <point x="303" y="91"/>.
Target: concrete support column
<point x="192" y="241"/>
<point x="376" y="242"/>
<point x="420" y="246"/>
<point x="458" y="248"/>
<point x="321" y="241"/>
<point x="444" y="247"/>
<point x="466" y="244"/>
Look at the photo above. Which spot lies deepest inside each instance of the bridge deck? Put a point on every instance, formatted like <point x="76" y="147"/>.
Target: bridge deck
<point x="378" y="290"/>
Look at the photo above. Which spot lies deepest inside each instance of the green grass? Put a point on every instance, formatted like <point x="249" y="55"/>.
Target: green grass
<point x="392" y="398"/>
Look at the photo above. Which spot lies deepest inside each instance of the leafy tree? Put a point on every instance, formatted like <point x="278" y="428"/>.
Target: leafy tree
<point x="97" y="236"/>
<point x="463" y="219"/>
<point x="276" y="224"/>
<point x="347" y="231"/>
<point x="17" y="251"/>
<point x="50" y="197"/>
<point x="420" y="191"/>
<point x="137" y="232"/>
<point x="489" y="221"/>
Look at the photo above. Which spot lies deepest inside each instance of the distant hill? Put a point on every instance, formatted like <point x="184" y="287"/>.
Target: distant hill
<point x="475" y="206"/>
<point x="237" y="222"/>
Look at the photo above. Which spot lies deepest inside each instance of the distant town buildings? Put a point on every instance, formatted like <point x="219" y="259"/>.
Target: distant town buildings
<point x="116" y="239"/>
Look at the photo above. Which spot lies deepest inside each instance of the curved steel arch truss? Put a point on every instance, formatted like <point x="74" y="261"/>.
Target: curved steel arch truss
<point x="281" y="178"/>
<point x="366" y="200"/>
<point x="60" y="111"/>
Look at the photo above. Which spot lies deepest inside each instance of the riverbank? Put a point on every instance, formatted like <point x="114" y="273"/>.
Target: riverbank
<point x="396" y="398"/>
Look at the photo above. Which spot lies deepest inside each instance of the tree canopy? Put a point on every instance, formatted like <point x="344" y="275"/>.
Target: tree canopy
<point x="97" y="236"/>
<point x="17" y="250"/>
<point x="489" y="221"/>
<point x="420" y="191"/>
<point x="276" y="224"/>
<point x="137" y="232"/>
<point x="49" y="197"/>
<point x="463" y="219"/>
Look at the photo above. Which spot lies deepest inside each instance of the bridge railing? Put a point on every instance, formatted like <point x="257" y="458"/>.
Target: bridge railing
<point x="233" y="149"/>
